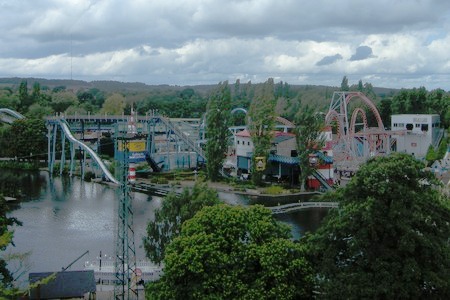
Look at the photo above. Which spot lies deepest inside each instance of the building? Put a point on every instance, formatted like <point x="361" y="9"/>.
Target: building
<point x="283" y="162"/>
<point x="65" y="285"/>
<point x="416" y="133"/>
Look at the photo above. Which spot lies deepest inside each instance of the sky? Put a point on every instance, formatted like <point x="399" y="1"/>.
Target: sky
<point x="395" y="44"/>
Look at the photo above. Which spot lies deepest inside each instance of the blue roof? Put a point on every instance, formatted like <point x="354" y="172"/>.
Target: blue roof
<point x="326" y="159"/>
<point x="67" y="284"/>
<point x="284" y="159"/>
<point x="295" y="160"/>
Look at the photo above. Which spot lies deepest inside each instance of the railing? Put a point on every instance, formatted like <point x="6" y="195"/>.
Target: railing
<point x="322" y="180"/>
<point x="183" y="137"/>
<point x="301" y="205"/>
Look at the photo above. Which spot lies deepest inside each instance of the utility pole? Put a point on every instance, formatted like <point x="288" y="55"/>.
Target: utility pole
<point x="125" y="261"/>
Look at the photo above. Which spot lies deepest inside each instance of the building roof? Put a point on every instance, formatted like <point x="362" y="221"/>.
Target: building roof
<point x="284" y="159"/>
<point x="67" y="284"/>
<point x="243" y="133"/>
<point x="281" y="138"/>
<point x="246" y="133"/>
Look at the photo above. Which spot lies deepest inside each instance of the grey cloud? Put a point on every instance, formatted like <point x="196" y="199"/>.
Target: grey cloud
<point x="362" y="52"/>
<point x="173" y="41"/>
<point x="328" y="60"/>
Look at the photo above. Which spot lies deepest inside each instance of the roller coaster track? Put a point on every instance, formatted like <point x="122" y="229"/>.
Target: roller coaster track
<point x="9" y="116"/>
<point x="65" y="128"/>
<point x="183" y="137"/>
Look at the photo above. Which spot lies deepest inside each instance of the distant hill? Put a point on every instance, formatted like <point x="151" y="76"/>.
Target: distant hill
<point x="308" y="92"/>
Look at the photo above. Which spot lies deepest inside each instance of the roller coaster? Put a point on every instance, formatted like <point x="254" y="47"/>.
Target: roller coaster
<point x="177" y="137"/>
<point x="353" y="140"/>
<point x="9" y="116"/>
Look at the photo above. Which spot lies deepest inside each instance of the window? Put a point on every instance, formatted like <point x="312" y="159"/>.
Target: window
<point x="424" y="127"/>
<point x="417" y="125"/>
<point x="409" y="126"/>
<point x="238" y="142"/>
<point x="248" y="143"/>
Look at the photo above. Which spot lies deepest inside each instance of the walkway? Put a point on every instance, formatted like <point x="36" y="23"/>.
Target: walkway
<point x="281" y="209"/>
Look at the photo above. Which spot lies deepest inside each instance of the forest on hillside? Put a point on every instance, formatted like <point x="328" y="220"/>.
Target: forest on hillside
<point x="36" y="98"/>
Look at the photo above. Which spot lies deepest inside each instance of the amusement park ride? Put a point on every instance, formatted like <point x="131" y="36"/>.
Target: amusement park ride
<point x="353" y="140"/>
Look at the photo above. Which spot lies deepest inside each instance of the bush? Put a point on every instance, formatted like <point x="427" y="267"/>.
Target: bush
<point x="88" y="176"/>
<point x="274" y="190"/>
<point x="30" y="166"/>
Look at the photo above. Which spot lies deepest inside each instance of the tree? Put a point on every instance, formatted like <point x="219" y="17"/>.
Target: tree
<point x="233" y="252"/>
<point x="360" y="86"/>
<point x="61" y="101"/>
<point x="431" y="155"/>
<point x="36" y="93"/>
<point x="114" y="105"/>
<point x="26" y="136"/>
<point x="384" y="107"/>
<point x="308" y="130"/>
<point x="261" y="123"/>
<point x="438" y="102"/>
<point x="24" y="98"/>
<point x="6" y="236"/>
<point x="174" y="211"/>
<point x="344" y="84"/>
<point x="389" y="239"/>
<point x="217" y="121"/>
<point x="38" y="111"/>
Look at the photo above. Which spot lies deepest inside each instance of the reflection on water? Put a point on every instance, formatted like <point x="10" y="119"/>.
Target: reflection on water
<point x="302" y="221"/>
<point x="64" y="217"/>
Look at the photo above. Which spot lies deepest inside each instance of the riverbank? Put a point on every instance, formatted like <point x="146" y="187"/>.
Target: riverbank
<point x="260" y="192"/>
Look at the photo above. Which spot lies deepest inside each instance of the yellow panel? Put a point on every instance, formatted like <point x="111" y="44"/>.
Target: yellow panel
<point x="136" y="146"/>
<point x="133" y="146"/>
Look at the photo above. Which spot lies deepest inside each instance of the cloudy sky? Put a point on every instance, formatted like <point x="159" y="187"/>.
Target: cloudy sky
<point x="389" y="43"/>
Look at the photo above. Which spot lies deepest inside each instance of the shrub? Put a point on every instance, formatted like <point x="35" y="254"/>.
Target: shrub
<point x="274" y="190"/>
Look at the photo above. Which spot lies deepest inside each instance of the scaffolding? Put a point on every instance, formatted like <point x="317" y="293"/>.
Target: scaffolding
<point x="125" y="260"/>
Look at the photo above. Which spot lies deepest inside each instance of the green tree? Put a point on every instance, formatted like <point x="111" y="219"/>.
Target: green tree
<point x="38" y="111"/>
<point x="217" y="121"/>
<point x="384" y="107"/>
<point x="9" y="100"/>
<point x="261" y="123"/>
<point x="36" y="93"/>
<point x="174" y="211"/>
<point x="438" y="102"/>
<point x="431" y="155"/>
<point x="410" y="102"/>
<point x="344" y="84"/>
<point x="114" y="105"/>
<point x="399" y="102"/>
<point x="308" y="130"/>
<point x="6" y="236"/>
<point x="233" y="252"/>
<point x="61" y="101"/>
<point x="389" y="239"/>
<point x="417" y="101"/>
<point x="26" y="136"/>
<point x="24" y="97"/>
<point x="360" y="86"/>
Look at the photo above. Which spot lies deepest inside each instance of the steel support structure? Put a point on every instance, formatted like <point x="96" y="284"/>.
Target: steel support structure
<point x="355" y="141"/>
<point x="125" y="260"/>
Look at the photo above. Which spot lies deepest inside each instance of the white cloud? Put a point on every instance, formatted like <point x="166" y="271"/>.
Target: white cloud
<point x="207" y="41"/>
